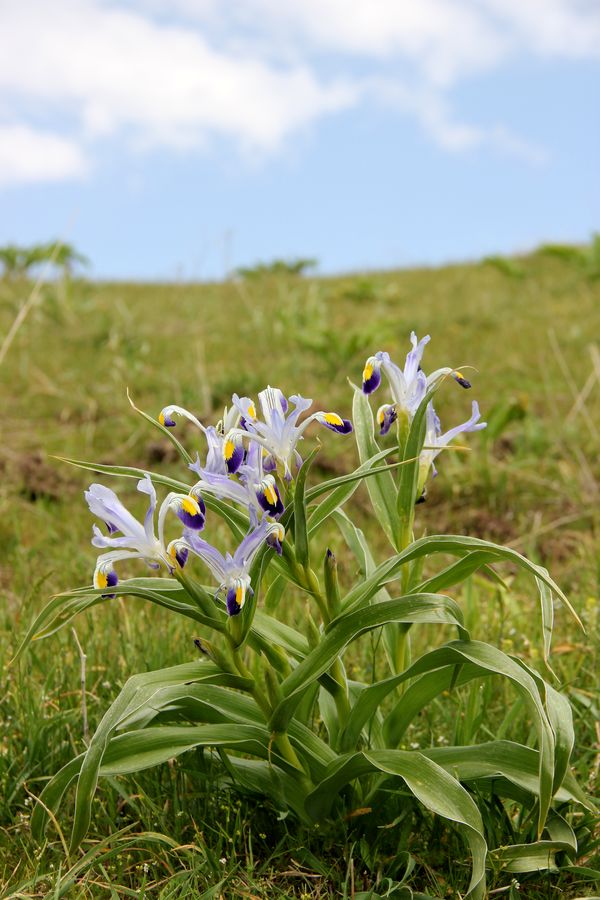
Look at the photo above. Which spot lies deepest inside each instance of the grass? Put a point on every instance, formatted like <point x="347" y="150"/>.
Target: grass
<point x="532" y="481"/>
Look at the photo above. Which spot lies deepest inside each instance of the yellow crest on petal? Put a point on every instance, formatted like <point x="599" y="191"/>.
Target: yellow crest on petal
<point x="270" y="494"/>
<point x="333" y="419"/>
<point x="100" y="579"/>
<point x="367" y="371"/>
<point x="190" y="506"/>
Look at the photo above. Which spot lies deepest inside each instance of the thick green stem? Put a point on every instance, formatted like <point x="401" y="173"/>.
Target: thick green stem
<point x="284" y="746"/>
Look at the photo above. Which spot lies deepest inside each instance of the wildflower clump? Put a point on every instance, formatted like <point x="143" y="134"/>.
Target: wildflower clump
<point x="271" y="696"/>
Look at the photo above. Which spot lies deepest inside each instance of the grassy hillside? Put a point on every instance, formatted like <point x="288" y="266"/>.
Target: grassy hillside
<point x="531" y="329"/>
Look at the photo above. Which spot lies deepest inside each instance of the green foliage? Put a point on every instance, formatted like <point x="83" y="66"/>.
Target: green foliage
<point x="20" y="262"/>
<point x="534" y="487"/>
<point x="323" y="745"/>
<point x="277" y="267"/>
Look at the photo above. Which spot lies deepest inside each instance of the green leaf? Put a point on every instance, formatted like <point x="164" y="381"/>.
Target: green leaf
<point x="93" y="758"/>
<point x="431" y="608"/>
<point x="496" y="662"/>
<point x="460" y="571"/>
<point x="539" y="856"/>
<point x="127" y="472"/>
<point x="409" y="474"/>
<point x="348" y="485"/>
<point x="164" y="592"/>
<point x="237" y="520"/>
<point x="455" y="545"/>
<point x="300" y="529"/>
<point x="428" y="782"/>
<point x="381" y="488"/>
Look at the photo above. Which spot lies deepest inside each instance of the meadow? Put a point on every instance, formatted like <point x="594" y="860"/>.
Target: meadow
<point x="530" y="327"/>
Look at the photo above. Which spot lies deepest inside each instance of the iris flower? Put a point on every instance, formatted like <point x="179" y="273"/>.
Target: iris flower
<point x="408" y="386"/>
<point x="130" y="539"/>
<point x="233" y="572"/>
<point x="435" y="441"/>
<point x="252" y="488"/>
<point x="223" y="454"/>
<point x="278" y="431"/>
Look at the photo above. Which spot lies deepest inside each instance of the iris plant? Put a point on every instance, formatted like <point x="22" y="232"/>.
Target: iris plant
<point x="324" y="746"/>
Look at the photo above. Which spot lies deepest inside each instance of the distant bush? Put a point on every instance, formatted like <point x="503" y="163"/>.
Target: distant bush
<point x="296" y="267"/>
<point x="505" y="265"/>
<point x="586" y="256"/>
<point x="20" y="262"/>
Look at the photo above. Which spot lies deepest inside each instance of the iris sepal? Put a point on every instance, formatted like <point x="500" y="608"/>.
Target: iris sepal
<point x="436" y="441"/>
<point x="232" y="572"/>
<point x="278" y="432"/>
<point x="138" y="540"/>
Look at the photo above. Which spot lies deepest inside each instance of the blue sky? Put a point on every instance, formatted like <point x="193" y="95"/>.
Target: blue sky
<point x="175" y="139"/>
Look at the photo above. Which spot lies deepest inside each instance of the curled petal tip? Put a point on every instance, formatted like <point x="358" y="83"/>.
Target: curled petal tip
<point x="275" y="539"/>
<point x="190" y="513"/>
<point x="268" y="496"/>
<point x="335" y="422"/>
<point x="236" y="596"/>
<point x="386" y="416"/>
<point x="179" y="553"/>
<point x="105" y="578"/>
<point x="165" y="419"/>
<point x="233" y="453"/>
<point x="460" y="378"/>
<point x="371" y="377"/>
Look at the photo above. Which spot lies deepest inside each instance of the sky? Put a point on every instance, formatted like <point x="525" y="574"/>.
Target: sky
<point x="177" y="139"/>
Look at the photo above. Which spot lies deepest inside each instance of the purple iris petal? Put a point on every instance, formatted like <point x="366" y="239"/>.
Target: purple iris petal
<point x="372" y="382"/>
<point x="386" y="417"/>
<point x="234" y="457"/>
<point x="275" y="544"/>
<point x="344" y="426"/>
<point x="193" y="520"/>
<point x="269" y="463"/>
<point x="181" y="555"/>
<point x="232" y="605"/>
<point x="112" y="578"/>
<point x="274" y="508"/>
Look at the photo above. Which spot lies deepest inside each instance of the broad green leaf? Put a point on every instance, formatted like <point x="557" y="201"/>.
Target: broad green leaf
<point x="429" y="608"/>
<point x="161" y="591"/>
<point x="537" y="857"/>
<point x="460" y="571"/>
<point x="348" y="485"/>
<point x="507" y="759"/>
<point x="128" y="472"/>
<point x="121" y="706"/>
<point x="381" y="488"/>
<point x="454" y="545"/>
<point x="432" y="786"/>
<point x="495" y="661"/>
<point x="300" y="528"/>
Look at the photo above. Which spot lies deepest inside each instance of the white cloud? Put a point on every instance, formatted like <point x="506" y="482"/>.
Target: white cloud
<point x="564" y="28"/>
<point x="28" y="155"/>
<point x="114" y="69"/>
<point x="178" y="72"/>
